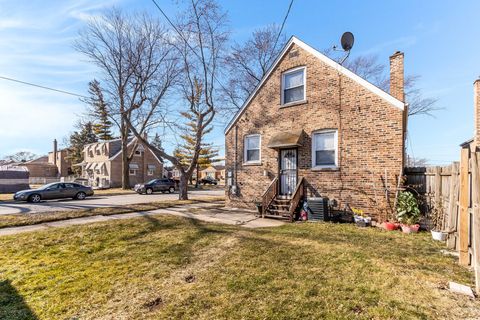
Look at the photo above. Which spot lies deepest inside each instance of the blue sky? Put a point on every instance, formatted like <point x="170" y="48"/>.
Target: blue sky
<point x="439" y="38"/>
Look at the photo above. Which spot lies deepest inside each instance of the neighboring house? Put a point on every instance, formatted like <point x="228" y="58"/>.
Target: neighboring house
<point x="312" y="128"/>
<point x="474" y="143"/>
<point x="53" y="166"/>
<point x="41" y="168"/>
<point x="102" y="164"/>
<point x="214" y="171"/>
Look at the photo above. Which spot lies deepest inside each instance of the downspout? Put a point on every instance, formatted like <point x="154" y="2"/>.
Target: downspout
<point x="235" y="160"/>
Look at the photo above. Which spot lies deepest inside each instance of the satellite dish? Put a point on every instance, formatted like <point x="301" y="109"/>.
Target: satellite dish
<point x="347" y="41"/>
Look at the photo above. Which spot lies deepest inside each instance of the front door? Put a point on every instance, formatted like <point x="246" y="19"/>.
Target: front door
<point x="288" y="171"/>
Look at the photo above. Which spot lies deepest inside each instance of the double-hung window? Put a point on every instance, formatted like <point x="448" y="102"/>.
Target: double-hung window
<point x="252" y="148"/>
<point x="293" y="85"/>
<point x="324" y="149"/>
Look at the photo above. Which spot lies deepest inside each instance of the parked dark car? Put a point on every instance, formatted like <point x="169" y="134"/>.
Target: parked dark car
<point x="156" y="185"/>
<point x="208" y="180"/>
<point x="56" y="190"/>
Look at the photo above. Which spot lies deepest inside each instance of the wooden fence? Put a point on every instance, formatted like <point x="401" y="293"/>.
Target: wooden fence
<point x="451" y="201"/>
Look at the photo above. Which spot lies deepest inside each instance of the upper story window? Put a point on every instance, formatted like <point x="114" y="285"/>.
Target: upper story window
<point x="325" y="149"/>
<point x="252" y="149"/>
<point x="293" y="85"/>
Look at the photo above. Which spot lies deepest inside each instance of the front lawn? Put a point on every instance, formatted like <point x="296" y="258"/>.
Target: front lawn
<point x="170" y="268"/>
<point x="26" y="219"/>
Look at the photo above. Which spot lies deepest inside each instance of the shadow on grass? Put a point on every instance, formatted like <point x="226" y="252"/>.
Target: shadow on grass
<point x="12" y="304"/>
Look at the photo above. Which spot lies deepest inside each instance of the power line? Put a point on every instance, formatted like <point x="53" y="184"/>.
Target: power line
<point x="186" y="42"/>
<point x="43" y="87"/>
<point x="283" y="24"/>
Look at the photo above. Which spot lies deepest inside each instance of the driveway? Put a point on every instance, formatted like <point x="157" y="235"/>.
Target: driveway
<point x="9" y="207"/>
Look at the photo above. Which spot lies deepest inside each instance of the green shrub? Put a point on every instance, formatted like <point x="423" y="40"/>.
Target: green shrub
<point x="407" y="208"/>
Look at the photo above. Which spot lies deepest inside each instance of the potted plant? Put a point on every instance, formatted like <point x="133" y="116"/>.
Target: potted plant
<point x="408" y="213"/>
<point x="360" y="218"/>
<point x="390" y="226"/>
<point x="436" y="218"/>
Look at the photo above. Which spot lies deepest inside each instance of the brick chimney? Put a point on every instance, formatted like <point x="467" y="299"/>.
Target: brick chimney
<point x="55" y="151"/>
<point x="397" y="76"/>
<point x="476" y="108"/>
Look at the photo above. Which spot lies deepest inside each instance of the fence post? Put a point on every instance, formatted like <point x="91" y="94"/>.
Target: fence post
<point x="437" y="184"/>
<point x="476" y="218"/>
<point x="453" y="207"/>
<point x="464" y="217"/>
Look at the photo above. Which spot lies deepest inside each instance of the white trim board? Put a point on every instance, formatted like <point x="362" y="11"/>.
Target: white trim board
<point x="294" y="40"/>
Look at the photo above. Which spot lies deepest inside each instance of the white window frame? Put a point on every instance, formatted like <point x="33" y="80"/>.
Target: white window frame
<point x="259" y="149"/>
<point x="150" y="172"/>
<point x="304" y="86"/>
<point x="314" y="154"/>
<point x="132" y="172"/>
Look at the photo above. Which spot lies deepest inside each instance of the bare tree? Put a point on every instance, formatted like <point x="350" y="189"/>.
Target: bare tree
<point x="200" y="44"/>
<point x="416" y="162"/>
<point x="138" y="67"/>
<point x="248" y="63"/>
<point x="370" y="69"/>
<point x="21" y="156"/>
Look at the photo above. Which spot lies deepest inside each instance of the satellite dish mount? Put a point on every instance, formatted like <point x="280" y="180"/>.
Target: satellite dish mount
<point x="346" y="41"/>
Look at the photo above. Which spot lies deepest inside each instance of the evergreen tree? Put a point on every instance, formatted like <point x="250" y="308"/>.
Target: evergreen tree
<point x="185" y="152"/>
<point x="78" y="140"/>
<point x="102" y="125"/>
<point x="157" y="141"/>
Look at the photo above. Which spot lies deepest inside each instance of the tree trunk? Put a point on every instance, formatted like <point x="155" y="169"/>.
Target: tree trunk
<point x="125" y="168"/>
<point x="198" y="177"/>
<point x="183" y="188"/>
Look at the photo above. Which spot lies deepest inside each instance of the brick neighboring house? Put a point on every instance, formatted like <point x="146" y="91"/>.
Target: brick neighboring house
<point x="214" y="171"/>
<point x="313" y="128"/>
<point x="474" y="143"/>
<point x="52" y="166"/>
<point x="102" y="164"/>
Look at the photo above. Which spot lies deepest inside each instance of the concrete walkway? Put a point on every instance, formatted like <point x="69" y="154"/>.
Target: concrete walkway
<point x="209" y="212"/>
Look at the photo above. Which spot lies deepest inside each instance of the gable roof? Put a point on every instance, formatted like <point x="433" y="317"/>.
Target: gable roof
<point x="131" y="140"/>
<point x="294" y="40"/>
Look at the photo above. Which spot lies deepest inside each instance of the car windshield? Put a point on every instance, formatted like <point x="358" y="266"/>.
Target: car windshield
<point x="47" y="186"/>
<point x="152" y="181"/>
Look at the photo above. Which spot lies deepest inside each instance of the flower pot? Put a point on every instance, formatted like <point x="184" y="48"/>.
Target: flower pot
<point x="390" y="226"/>
<point x="412" y="228"/>
<point x="439" y="235"/>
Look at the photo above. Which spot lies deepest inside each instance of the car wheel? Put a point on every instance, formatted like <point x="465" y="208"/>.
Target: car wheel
<point x="149" y="191"/>
<point x="171" y="190"/>
<point x="81" y="196"/>
<point x="35" y="198"/>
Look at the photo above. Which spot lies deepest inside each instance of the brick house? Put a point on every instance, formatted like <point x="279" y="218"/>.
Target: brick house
<point x="474" y="143"/>
<point x="313" y="128"/>
<point x="214" y="171"/>
<point x="52" y="166"/>
<point x="102" y="164"/>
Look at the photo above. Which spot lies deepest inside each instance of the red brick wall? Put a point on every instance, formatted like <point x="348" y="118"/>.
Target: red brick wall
<point x="370" y="137"/>
<point x="476" y="106"/>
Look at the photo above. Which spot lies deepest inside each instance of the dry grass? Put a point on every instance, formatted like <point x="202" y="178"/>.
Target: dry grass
<point x="104" y="192"/>
<point x="165" y="267"/>
<point x="24" y="219"/>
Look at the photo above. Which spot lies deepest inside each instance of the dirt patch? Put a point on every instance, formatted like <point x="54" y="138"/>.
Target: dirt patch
<point x="190" y="278"/>
<point x="154" y="304"/>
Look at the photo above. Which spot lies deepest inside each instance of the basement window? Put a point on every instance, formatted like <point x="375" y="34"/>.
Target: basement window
<point x="293" y="86"/>
<point x="325" y="149"/>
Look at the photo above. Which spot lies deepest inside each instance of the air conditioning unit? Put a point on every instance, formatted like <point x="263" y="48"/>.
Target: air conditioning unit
<point x="318" y="209"/>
